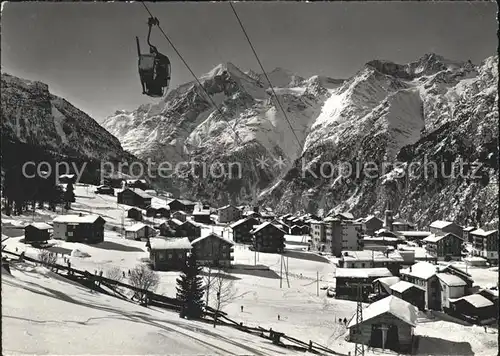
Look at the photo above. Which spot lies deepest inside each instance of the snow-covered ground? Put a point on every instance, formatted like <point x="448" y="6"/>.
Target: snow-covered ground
<point x="305" y="311"/>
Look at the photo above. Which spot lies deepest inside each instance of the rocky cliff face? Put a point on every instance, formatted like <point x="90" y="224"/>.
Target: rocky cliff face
<point x="388" y="115"/>
<point x="40" y="125"/>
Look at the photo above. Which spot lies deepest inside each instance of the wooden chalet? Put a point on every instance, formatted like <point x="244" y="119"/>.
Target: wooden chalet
<point x="387" y="324"/>
<point x="134" y="197"/>
<point x="139" y="232"/>
<point x="181" y="205"/>
<point x="37" y="232"/>
<point x="268" y="238"/>
<point x="241" y="230"/>
<point x="137" y="183"/>
<point x="179" y="215"/>
<point x="296" y="230"/>
<point x="382" y="287"/>
<point x="188" y="229"/>
<point x="202" y="216"/>
<point x="168" y="254"/>
<point x="347" y="280"/>
<point x="485" y="244"/>
<point x="474" y="308"/>
<point x="370" y="224"/>
<point x="228" y="214"/>
<point x="409" y="292"/>
<point x="79" y="228"/>
<point x="213" y="250"/>
<point x="134" y="213"/>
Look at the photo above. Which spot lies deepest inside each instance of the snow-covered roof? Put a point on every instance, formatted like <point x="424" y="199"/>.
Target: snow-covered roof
<point x="179" y="243"/>
<point x="236" y="223"/>
<point x="387" y="282"/>
<point x="481" y="232"/>
<point x="414" y="233"/>
<point x="401" y="222"/>
<point x="135" y="227"/>
<point x="380" y="238"/>
<point x="70" y="176"/>
<point x="440" y="224"/>
<point x="179" y="212"/>
<point x="395" y="306"/>
<point x="201" y="213"/>
<point x="369" y="255"/>
<point x="362" y="272"/>
<point x="227" y="207"/>
<point x="451" y="280"/>
<point x="347" y="216"/>
<point x="139" y="192"/>
<point x="210" y="235"/>
<point x="40" y="226"/>
<point x="402" y="286"/>
<point x="476" y="300"/>
<point x="469" y="228"/>
<point x="368" y="218"/>
<point x="176" y="221"/>
<point x="434" y="238"/>
<point x="76" y="218"/>
<point x="265" y="224"/>
<point x="424" y="270"/>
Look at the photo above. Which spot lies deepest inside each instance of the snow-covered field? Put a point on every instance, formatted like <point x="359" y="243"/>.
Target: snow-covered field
<point x="305" y="311"/>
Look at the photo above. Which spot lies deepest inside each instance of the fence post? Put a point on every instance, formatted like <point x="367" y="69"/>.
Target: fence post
<point x="310" y="345"/>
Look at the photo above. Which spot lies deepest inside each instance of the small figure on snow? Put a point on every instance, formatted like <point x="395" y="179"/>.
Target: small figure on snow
<point x="345" y="321"/>
<point x="129" y="272"/>
<point x="123" y="274"/>
<point x="241" y="308"/>
<point x="278" y="317"/>
<point x="340" y="320"/>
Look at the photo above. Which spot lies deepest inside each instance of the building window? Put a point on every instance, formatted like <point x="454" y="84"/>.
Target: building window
<point x="169" y="256"/>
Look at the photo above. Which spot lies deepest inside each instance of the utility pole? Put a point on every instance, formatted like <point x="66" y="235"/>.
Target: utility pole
<point x="286" y="266"/>
<point x="281" y="271"/>
<point x="317" y="283"/>
<point x="359" y="349"/>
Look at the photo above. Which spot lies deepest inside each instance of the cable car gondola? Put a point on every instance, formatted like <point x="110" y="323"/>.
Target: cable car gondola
<point x="154" y="67"/>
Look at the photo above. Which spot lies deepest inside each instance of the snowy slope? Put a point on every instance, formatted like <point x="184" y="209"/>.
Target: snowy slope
<point x="375" y="115"/>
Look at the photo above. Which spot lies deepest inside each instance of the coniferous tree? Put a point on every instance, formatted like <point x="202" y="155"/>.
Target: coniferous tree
<point x="69" y="196"/>
<point x="190" y="289"/>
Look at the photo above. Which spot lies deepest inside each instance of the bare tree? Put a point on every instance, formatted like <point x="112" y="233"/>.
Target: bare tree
<point x="144" y="278"/>
<point x="47" y="257"/>
<point x="224" y="290"/>
<point x="114" y="273"/>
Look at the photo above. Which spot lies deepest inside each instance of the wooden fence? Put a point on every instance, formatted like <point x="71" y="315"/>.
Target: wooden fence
<point x="97" y="282"/>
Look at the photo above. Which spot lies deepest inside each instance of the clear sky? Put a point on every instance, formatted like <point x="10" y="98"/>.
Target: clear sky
<point x="86" y="52"/>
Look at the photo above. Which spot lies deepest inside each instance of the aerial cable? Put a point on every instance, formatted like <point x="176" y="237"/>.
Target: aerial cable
<point x="192" y="73"/>
<point x="264" y="72"/>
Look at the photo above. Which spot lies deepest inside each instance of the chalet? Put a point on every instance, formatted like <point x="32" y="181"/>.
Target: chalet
<point x="134" y="213"/>
<point x="79" y="228"/>
<point x="281" y="224"/>
<point x="179" y="215"/>
<point x="137" y="183"/>
<point x="392" y="260"/>
<point x="296" y="230"/>
<point x="382" y="286"/>
<point x="445" y="246"/>
<point x="467" y="234"/>
<point x="452" y="287"/>
<point x="134" y="197"/>
<point x="386" y="233"/>
<point x="168" y="254"/>
<point x="228" y="213"/>
<point x="67" y="178"/>
<point x="387" y="324"/>
<point x="267" y="214"/>
<point x="347" y="280"/>
<point x="213" y="250"/>
<point x="114" y="181"/>
<point x="150" y="211"/>
<point x="181" y="205"/>
<point x="188" y="229"/>
<point x="202" y="216"/>
<point x="474" y="308"/>
<point x="410" y="293"/>
<point x="163" y="212"/>
<point x="251" y="214"/>
<point x="37" y="232"/>
<point x="268" y="238"/>
<point x="305" y="230"/>
<point x="485" y="244"/>
<point x="166" y="229"/>
<point x="241" y="230"/>
<point x="139" y="231"/>
<point x="440" y="227"/>
<point x="371" y="224"/>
